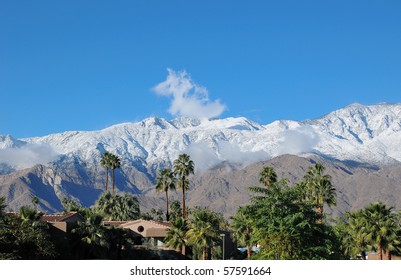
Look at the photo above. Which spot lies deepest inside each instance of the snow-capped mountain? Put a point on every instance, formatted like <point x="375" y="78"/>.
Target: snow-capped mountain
<point x="356" y="133"/>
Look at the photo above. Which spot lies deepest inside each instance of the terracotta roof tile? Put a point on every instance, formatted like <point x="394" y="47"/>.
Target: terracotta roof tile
<point x="57" y="217"/>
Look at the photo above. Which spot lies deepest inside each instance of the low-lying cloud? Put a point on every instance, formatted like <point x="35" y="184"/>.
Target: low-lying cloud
<point x="28" y="155"/>
<point x="206" y="157"/>
<point x="298" y="141"/>
<point x="188" y="98"/>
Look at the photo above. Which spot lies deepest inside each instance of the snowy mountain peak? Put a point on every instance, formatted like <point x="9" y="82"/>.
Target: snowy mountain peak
<point x="356" y="132"/>
<point x="362" y="123"/>
<point x="7" y="141"/>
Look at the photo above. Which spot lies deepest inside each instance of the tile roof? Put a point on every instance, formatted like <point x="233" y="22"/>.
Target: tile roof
<point x="58" y="217"/>
<point x="114" y="223"/>
<point x="156" y="223"/>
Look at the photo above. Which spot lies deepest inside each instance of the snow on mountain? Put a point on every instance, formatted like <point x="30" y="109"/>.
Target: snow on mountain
<point x="354" y="133"/>
<point x="7" y="141"/>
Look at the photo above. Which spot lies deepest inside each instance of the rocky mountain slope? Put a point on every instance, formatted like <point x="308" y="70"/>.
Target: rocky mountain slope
<point x="360" y="146"/>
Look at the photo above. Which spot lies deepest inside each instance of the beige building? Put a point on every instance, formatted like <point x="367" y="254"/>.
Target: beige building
<point x="150" y="232"/>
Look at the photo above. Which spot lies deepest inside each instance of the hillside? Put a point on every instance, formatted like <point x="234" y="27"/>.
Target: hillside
<point x="359" y="145"/>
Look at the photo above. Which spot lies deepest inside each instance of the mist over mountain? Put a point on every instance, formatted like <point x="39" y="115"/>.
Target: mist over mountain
<point x="355" y="143"/>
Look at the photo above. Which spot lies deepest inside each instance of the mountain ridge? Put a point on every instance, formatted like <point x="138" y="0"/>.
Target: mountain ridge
<point x="357" y="136"/>
<point x="353" y="126"/>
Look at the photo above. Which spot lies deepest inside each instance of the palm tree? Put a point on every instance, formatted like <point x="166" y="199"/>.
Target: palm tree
<point x="89" y="238"/>
<point x="382" y="227"/>
<point x="355" y="234"/>
<point x="29" y="215"/>
<point x="115" y="162"/>
<point x="203" y="230"/>
<point x="175" y="210"/>
<point x="176" y="235"/>
<point x="242" y="226"/>
<point x="268" y="176"/>
<point x="319" y="188"/>
<point x="165" y="181"/>
<point x="183" y="167"/>
<point x="117" y="207"/>
<point x="105" y="161"/>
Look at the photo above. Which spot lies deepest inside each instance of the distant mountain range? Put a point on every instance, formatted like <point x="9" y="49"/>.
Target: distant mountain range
<point x="355" y="143"/>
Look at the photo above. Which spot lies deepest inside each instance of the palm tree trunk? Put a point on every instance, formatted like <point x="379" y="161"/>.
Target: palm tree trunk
<point x="320" y="215"/>
<point x="249" y="249"/>
<point x="388" y="254"/>
<point x="379" y="251"/>
<point x="184" y="212"/>
<point x="167" y="214"/>
<point x="112" y="178"/>
<point x="183" y="251"/>
<point x="204" y="253"/>
<point x="107" y="178"/>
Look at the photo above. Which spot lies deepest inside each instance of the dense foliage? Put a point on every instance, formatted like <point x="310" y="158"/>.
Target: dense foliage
<point x="281" y="221"/>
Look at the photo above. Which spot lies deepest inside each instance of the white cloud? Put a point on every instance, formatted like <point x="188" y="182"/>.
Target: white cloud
<point x="28" y="155"/>
<point x="206" y="157"/>
<point x="203" y="156"/>
<point x="188" y="99"/>
<point x="232" y="152"/>
<point x="300" y="140"/>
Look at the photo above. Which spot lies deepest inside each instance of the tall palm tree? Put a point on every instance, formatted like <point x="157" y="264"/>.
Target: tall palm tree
<point x="165" y="181"/>
<point x="105" y="161"/>
<point x="183" y="167"/>
<point x="115" y="162"/>
<point x="319" y="188"/>
<point x="268" y="176"/>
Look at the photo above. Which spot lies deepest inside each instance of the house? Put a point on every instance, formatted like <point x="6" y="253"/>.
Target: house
<point x="145" y="232"/>
<point x="62" y="223"/>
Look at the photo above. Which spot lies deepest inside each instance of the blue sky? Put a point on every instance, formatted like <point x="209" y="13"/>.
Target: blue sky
<point x="85" y="65"/>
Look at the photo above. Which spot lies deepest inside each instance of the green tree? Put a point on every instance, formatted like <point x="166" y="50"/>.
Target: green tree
<point x="319" y="189"/>
<point x="285" y="225"/>
<point x="176" y="234"/>
<point x="242" y="229"/>
<point x="203" y="229"/>
<point x="354" y="234"/>
<point x="268" y="176"/>
<point x="183" y="167"/>
<point x="153" y="214"/>
<point x="89" y="239"/>
<point x="165" y="181"/>
<point x="382" y="227"/>
<point x="115" y="162"/>
<point x="72" y="205"/>
<point x="117" y="207"/>
<point x="175" y="210"/>
<point x="106" y="162"/>
<point x="24" y="237"/>
<point x="29" y="215"/>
